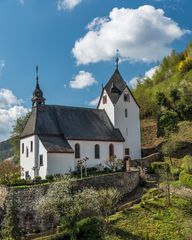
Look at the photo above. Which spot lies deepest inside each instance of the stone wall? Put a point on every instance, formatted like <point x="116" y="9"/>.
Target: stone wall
<point x="146" y="161"/>
<point x="27" y="198"/>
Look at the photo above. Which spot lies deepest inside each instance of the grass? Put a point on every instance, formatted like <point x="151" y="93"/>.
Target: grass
<point x="153" y="220"/>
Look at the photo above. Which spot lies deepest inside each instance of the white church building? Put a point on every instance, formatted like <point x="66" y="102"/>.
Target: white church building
<point x="56" y="137"/>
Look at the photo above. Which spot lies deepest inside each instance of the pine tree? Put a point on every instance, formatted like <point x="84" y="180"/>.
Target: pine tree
<point x="10" y="229"/>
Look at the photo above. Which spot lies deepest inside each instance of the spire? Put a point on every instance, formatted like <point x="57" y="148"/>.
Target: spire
<point x="117" y="59"/>
<point x="38" y="99"/>
<point x="37" y="71"/>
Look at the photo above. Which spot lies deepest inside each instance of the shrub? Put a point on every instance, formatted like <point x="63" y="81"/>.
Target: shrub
<point x="187" y="164"/>
<point x="50" y="178"/>
<point x="9" y="172"/>
<point x="167" y="123"/>
<point x="175" y="171"/>
<point x="159" y="165"/>
<point x="90" y="229"/>
<point x="185" y="179"/>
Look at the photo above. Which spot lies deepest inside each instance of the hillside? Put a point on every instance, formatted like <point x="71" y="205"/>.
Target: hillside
<point x="6" y="150"/>
<point x="173" y="78"/>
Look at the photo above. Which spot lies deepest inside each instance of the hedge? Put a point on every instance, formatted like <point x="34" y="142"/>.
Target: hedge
<point x="185" y="179"/>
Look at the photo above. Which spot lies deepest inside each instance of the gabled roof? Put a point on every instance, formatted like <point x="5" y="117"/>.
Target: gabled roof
<point x="115" y="87"/>
<point x="54" y="144"/>
<point x="71" y="123"/>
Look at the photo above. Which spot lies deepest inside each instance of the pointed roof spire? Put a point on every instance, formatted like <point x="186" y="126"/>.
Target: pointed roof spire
<point x="117" y="59"/>
<point x="38" y="99"/>
<point x="37" y="74"/>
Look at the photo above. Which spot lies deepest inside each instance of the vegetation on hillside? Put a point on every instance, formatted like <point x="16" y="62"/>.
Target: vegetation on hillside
<point x="6" y="150"/>
<point x="170" y="87"/>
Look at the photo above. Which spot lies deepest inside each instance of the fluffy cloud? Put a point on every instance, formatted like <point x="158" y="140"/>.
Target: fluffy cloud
<point x="82" y="80"/>
<point x="67" y="4"/>
<point x="149" y="74"/>
<point x="142" y="34"/>
<point x="10" y="110"/>
<point x="94" y="102"/>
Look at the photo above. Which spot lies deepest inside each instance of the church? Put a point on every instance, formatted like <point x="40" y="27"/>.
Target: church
<point x="56" y="137"/>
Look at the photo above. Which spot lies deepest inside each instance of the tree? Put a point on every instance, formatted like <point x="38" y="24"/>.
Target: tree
<point x="9" y="172"/>
<point x="15" y="136"/>
<point x="107" y="201"/>
<point x="167" y="123"/>
<point x="169" y="148"/>
<point x="10" y="229"/>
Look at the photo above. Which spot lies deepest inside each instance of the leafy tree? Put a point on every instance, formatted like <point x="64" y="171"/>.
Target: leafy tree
<point x="174" y="95"/>
<point x="9" y="172"/>
<point x="10" y="229"/>
<point x="15" y="137"/>
<point x="167" y="123"/>
<point x="169" y="148"/>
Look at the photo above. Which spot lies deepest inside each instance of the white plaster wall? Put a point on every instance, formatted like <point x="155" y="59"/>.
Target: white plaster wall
<point x="60" y="163"/>
<point x="42" y="169"/>
<point x="87" y="149"/>
<point x="130" y="126"/>
<point x="109" y="107"/>
<point x="27" y="163"/>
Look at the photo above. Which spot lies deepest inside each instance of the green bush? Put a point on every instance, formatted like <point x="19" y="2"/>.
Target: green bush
<point x="159" y="165"/>
<point x="187" y="164"/>
<point x="50" y="178"/>
<point x="175" y="171"/>
<point x="185" y="179"/>
<point x="90" y="229"/>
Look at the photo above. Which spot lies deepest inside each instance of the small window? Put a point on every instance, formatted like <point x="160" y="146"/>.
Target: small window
<point x="126" y="97"/>
<point x="104" y="99"/>
<point x="127" y="131"/>
<point x="23" y="147"/>
<point x="31" y="146"/>
<point x="27" y="152"/>
<point x="77" y="150"/>
<point x="97" y="151"/>
<point x="127" y="152"/>
<point x="111" y="150"/>
<point x="41" y="160"/>
<point x="126" y="113"/>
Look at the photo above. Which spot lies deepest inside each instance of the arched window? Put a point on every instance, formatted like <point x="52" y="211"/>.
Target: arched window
<point x="77" y="150"/>
<point x="97" y="151"/>
<point x="111" y="150"/>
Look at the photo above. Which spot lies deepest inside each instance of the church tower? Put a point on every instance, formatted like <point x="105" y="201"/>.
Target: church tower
<point x="124" y="112"/>
<point x="37" y="99"/>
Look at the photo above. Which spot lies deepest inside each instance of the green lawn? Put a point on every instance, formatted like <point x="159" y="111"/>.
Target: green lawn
<point x="153" y="220"/>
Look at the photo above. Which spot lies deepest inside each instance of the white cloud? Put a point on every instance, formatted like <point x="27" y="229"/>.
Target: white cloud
<point x="8" y="99"/>
<point x="10" y="110"/>
<point x="149" y="74"/>
<point x="94" y="102"/>
<point x="142" y="34"/>
<point x="2" y="66"/>
<point x="82" y="80"/>
<point x="67" y="4"/>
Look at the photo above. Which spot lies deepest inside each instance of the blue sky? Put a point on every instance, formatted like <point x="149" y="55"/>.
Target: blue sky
<point x="74" y="43"/>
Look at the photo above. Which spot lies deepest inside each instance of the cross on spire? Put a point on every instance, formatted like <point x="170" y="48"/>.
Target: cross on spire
<point x="37" y="73"/>
<point x="117" y="59"/>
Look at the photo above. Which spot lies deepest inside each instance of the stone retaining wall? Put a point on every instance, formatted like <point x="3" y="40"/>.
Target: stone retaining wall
<point x="27" y="198"/>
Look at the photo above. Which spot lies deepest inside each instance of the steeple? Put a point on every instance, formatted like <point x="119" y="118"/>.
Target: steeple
<point x="37" y="99"/>
<point x="117" y="59"/>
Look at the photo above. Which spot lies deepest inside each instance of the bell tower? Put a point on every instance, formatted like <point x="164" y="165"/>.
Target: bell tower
<point x="37" y="99"/>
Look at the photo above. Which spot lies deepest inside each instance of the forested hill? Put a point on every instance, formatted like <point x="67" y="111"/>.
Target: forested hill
<point x="6" y="150"/>
<point x="170" y="86"/>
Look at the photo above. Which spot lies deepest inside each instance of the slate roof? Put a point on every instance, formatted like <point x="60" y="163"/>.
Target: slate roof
<point x="70" y="123"/>
<point x="54" y="144"/>
<point x="115" y="87"/>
